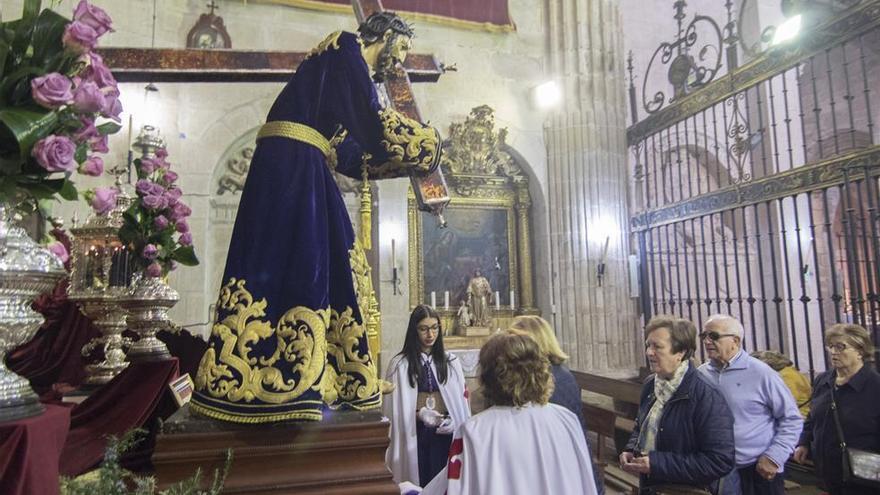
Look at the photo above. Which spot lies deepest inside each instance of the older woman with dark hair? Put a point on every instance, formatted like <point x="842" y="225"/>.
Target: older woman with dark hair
<point x="854" y="387"/>
<point x="521" y="444"/>
<point x="684" y="429"/>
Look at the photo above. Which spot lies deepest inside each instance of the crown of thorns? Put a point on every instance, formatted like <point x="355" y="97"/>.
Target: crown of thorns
<point x="375" y="26"/>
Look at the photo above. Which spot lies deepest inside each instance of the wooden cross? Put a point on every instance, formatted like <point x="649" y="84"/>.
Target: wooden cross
<point x="190" y="65"/>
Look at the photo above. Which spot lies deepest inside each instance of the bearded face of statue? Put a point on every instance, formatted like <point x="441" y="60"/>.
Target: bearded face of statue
<point x="395" y="49"/>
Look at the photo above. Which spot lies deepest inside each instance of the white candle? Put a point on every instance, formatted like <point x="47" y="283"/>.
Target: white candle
<point x="497" y="300"/>
<point x="446" y="300"/>
<point x="512" y="305"/>
<point x="433" y="299"/>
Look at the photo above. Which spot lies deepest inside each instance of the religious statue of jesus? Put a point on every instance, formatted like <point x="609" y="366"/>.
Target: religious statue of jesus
<point x="479" y="294"/>
<point x="289" y="337"/>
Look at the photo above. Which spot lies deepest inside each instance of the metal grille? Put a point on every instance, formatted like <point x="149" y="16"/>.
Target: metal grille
<point x="758" y="194"/>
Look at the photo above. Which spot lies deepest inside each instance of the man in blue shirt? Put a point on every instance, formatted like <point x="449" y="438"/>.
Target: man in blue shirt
<point x="767" y="423"/>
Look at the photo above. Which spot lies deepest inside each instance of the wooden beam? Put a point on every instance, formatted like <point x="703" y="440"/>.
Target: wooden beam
<point x="191" y="65"/>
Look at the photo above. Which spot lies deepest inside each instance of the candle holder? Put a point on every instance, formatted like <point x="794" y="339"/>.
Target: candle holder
<point x="147" y="307"/>
<point x="101" y="275"/>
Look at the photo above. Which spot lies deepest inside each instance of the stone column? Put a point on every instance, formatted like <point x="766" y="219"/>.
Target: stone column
<point x="587" y="188"/>
<point x="524" y="244"/>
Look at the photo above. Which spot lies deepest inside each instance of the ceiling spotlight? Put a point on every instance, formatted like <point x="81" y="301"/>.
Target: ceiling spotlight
<point x="547" y="95"/>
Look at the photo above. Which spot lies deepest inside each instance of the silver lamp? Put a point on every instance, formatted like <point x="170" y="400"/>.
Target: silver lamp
<point x="26" y="270"/>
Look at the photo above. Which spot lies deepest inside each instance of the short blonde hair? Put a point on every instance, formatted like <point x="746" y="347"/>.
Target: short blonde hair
<point x="539" y="329"/>
<point x="514" y="371"/>
<point x="854" y="335"/>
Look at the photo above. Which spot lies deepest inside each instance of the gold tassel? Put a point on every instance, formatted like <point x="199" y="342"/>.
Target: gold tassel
<point x="366" y="209"/>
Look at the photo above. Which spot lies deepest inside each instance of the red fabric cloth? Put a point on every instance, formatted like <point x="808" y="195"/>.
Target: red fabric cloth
<point x="483" y="11"/>
<point x="29" y="452"/>
<point x="53" y="355"/>
<point x="126" y="403"/>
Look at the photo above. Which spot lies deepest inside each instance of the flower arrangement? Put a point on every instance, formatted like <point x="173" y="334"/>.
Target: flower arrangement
<point x="155" y="226"/>
<point x="55" y="91"/>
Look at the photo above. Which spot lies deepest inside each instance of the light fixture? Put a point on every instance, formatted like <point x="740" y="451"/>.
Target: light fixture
<point x="547" y="95"/>
<point x="602" y="230"/>
<point x="788" y="30"/>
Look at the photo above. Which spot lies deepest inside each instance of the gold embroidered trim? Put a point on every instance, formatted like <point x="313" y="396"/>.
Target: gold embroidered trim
<point x="301" y="347"/>
<point x="331" y="42"/>
<point x="253" y="418"/>
<point x="297" y="132"/>
<point x="408" y="141"/>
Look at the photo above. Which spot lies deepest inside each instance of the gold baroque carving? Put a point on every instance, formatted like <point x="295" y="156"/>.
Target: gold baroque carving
<point x="475" y="147"/>
<point x="300" y="341"/>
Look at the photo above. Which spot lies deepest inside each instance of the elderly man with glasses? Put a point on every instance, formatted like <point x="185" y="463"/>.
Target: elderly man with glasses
<point x="767" y="423"/>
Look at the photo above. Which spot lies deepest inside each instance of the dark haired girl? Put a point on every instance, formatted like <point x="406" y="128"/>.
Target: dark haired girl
<point x="428" y="402"/>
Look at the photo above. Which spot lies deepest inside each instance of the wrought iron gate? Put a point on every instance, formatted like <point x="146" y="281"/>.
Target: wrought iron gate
<point x="757" y="193"/>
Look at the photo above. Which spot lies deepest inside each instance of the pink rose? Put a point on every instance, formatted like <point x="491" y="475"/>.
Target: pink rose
<point x="55" y="153"/>
<point x="169" y="177"/>
<point x="148" y="165"/>
<point x="87" y="131"/>
<point x="161" y="153"/>
<point x="154" y="202"/>
<point x="98" y="144"/>
<point x="154" y="270"/>
<point x="52" y="90"/>
<point x="93" y="166"/>
<point x="88" y="98"/>
<point x="59" y="250"/>
<point x="98" y="72"/>
<point x="150" y="252"/>
<point x="94" y="17"/>
<point x="160" y="222"/>
<point x="79" y="37"/>
<point x="145" y="187"/>
<point x="174" y="193"/>
<point x="182" y="227"/>
<point x="112" y="107"/>
<point x="185" y="239"/>
<point x="103" y="199"/>
<point x="180" y="211"/>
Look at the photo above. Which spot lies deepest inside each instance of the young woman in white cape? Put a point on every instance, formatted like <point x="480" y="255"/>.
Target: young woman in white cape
<point x="428" y="403"/>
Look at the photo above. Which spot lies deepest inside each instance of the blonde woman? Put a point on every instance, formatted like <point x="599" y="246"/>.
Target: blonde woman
<point x="566" y="391"/>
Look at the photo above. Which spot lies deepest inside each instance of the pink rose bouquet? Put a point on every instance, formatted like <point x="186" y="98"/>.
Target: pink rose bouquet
<point x="155" y="226"/>
<point x="58" y="103"/>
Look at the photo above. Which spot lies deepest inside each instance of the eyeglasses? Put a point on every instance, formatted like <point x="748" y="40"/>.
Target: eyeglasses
<point x="836" y="347"/>
<point x="433" y="328"/>
<point x="715" y="336"/>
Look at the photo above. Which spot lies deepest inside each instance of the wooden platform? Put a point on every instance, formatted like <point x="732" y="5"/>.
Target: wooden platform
<point x="344" y="454"/>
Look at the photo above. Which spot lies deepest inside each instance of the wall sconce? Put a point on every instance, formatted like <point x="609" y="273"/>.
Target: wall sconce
<point x="395" y="280"/>
<point x="603" y="228"/>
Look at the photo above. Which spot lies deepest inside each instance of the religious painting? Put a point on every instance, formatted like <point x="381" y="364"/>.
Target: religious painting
<point x="486" y="225"/>
<point x="474" y="239"/>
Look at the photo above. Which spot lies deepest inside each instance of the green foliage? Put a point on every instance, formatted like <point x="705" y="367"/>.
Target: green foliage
<point x="112" y="479"/>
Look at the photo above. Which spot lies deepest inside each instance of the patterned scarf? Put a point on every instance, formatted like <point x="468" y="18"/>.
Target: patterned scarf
<point x="663" y="390"/>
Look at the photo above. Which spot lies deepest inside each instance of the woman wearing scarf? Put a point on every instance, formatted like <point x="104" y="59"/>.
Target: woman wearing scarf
<point x="683" y="438"/>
